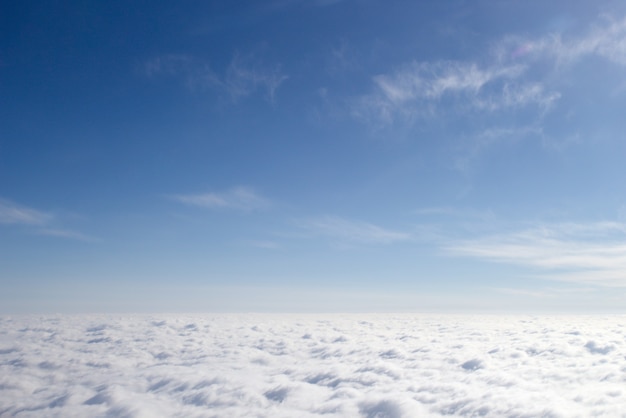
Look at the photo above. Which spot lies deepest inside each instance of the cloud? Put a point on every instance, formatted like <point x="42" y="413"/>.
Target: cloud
<point x="294" y="365"/>
<point x="240" y="198"/>
<point x="12" y="213"/>
<point x="517" y="73"/>
<point x="244" y="75"/>
<point x="170" y="64"/>
<point x="43" y="223"/>
<point x="352" y="231"/>
<point x="432" y="81"/>
<point x="605" y="39"/>
<point x="419" y="89"/>
<point x="583" y="253"/>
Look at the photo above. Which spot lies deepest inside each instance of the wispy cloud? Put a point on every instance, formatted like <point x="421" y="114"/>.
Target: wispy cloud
<point x="606" y="38"/>
<point x="352" y="231"/>
<point x="585" y="253"/>
<point x="239" y="198"/>
<point x="419" y="89"/>
<point x="66" y="233"/>
<point x="516" y="73"/>
<point x="342" y="58"/>
<point x="432" y="81"/>
<point x="474" y="146"/>
<point x="168" y="64"/>
<point x="458" y="213"/>
<point x="12" y="213"/>
<point x="244" y="75"/>
<point x="43" y="223"/>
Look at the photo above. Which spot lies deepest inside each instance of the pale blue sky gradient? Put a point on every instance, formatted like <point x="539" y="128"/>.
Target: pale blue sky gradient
<point x="313" y="156"/>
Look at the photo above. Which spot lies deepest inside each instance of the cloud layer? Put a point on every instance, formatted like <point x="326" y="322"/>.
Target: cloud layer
<point x="307" y="366"/>
<point x="583" y="253"/>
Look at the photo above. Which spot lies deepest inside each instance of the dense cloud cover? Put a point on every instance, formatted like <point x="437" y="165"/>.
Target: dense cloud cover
<point x="371" y="366"/>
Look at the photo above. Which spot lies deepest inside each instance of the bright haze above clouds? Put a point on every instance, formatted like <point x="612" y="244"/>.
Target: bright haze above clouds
<point x="313" y="156"/>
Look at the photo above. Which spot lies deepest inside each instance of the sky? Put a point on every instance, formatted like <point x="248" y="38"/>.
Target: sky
<point x="312" y="156"/>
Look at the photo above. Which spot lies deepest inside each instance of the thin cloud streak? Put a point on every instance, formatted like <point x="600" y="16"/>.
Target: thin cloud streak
<point x="239" y="198"/>
<point x="432" y="81"/>
<point x="12" y="213"/>
<point x="418" y="89"/>
<point x="352" y="231"/>
<point x="606" y="39"/>
<point x="582" y="253"/>
<point x="474" y="146"/>
<point x="243" y="76"/>
<point x="43" y="223"/>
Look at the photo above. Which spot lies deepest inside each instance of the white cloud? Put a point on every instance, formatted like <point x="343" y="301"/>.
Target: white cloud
<point x="606" y="39"/>
<point x="243" y="76"/>
<point x="342" y="58"/>
<point x="12" y="213"/>
<point x="513" y="76"/>
<point x="333" y="366"/>
<point x="352" y="231"/>
<point x="240" y="198"/>
<point x="584" y="253"/>
<point x="433" y="80"/>
<point x="41" y="223"/>
<point x="171" y="64"/>
<point x="460" y="213"/>
<point x="418" y="89"/>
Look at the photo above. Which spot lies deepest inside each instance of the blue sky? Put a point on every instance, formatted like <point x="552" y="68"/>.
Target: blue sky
<point x="312" y="156"/>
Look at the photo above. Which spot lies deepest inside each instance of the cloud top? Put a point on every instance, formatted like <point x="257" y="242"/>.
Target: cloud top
<point x="333" y="366"/>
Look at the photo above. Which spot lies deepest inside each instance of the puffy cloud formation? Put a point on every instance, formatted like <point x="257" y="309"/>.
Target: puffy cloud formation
<point x="393" y="366"/>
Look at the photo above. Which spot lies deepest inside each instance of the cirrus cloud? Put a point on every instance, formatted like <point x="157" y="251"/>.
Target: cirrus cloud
<point x="13" y="213"/>
<point x="352" y="231"/>
<point x="593" y="253"/>
<point x="239" y="198"/>
<point x="244" y="75"/>
<point x="517" y="73"/>
<point x="40" y="222"/>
